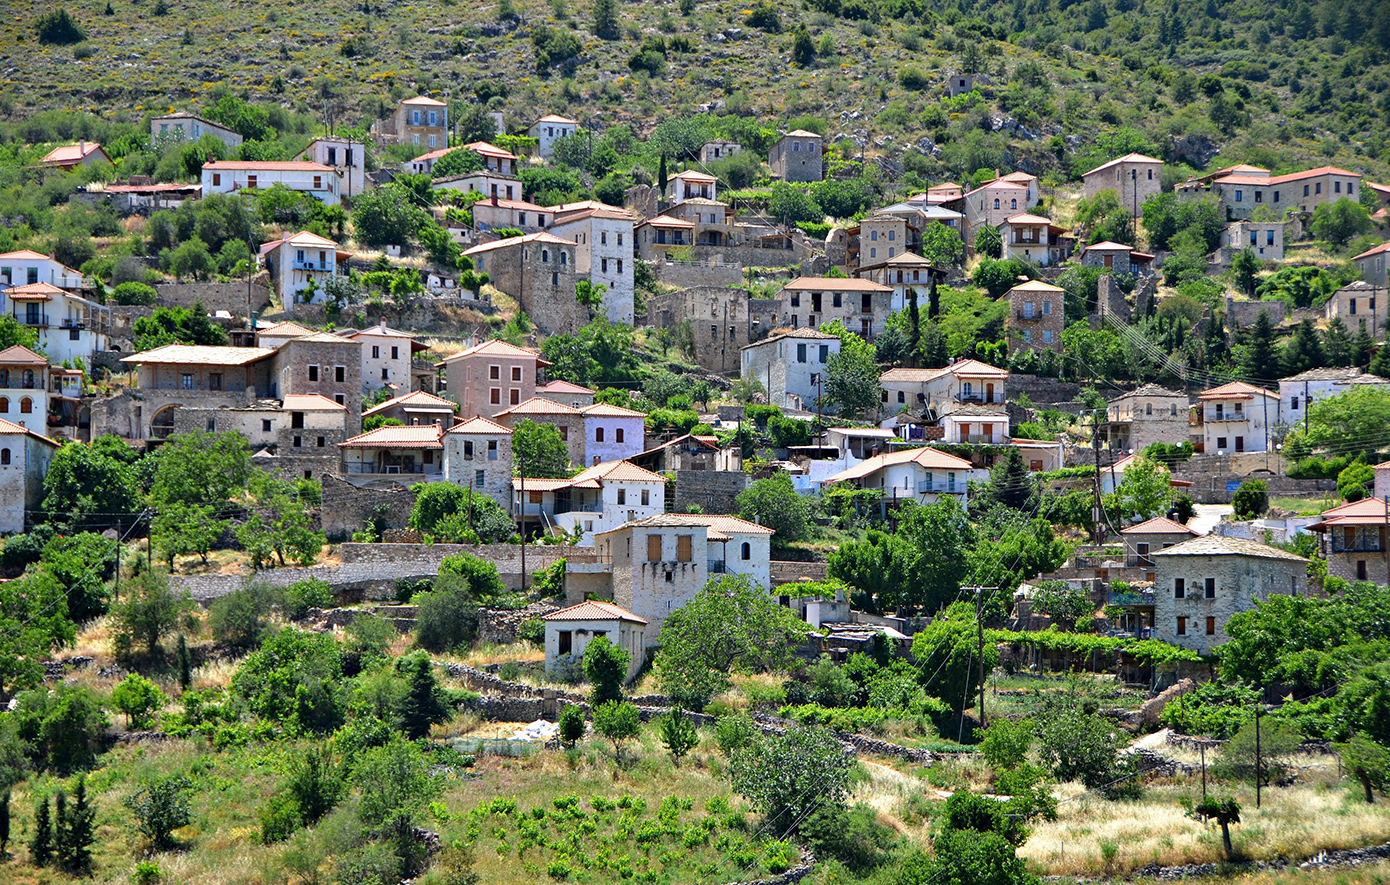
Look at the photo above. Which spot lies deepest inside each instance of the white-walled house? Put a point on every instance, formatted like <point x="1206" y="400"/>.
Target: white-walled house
<point x="68" y="326"/>
<point x="183" y="126"/>
<point x="922" y="475"/>
<point x="346" y="156"/>
<point x="1238" y="417"/>
<point x="595" y="500"/>
<point x="228" y="176"/>
<point x="570" y="630"/>
<point x="24" y="388"/>
<point x="299" y="264"/>
<point x="603" y="237"/>
<point x="964" y="381"/>
<point x="24" y="459"/>
<point x="550" y="129"/>
<point x="790" y="364"/>
<point x="612" y="433"/>
<point x="386" y="356"/>
<point x="26" y="266"/>
<point x="972" y="424"/>
<point x="1298" y="392"/>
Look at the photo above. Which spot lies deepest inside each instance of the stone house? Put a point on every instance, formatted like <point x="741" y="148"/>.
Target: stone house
<point x="862" y="305"/>
<point x="1242" y="194"/>
<point x="718" y="149"/>
<point x="1238" y="417"/>
<point x="797" y="156"/>
<point x="550" y="129"/>
<point x="495" y="212"/>
<point x="539" y="271"/>
<point x="67" y="326"/>
<point x="1360" y="302"/>
<point x="1134" y="178"/>
<point x="612" y="433"/>
<point x="321" y="363"/>
<point x="598" y="499"/>
<point x="1371" y="263"/>
<point x="686" y="452"/>
<point x="714" y="223"/>
<point x="880" y="237"/>
<point x="183" y="126"/>
<point x="1264" y="238"/>
<point x="276" y="334"/>
<point x="658" y="564"/>
<point x="177" y="375"/>
<point x="720" y="323"/>
<point x="229" y="176"/>
<point x="656" y="237"/>
<point x="569" y="631"/>
<point x="1026" y="179"/>
<point x="1035" y="239"/>
<point x="1116" y="257"/>
<point x="992" y="204"/>
<point x="489" y="377"/>
<point x="387" y="356"/>
<point x="920" y="474"/>
<point x="1041" y="455"/>
<point x="1297" y="393"/>
<point x="416" y="407"/>
<point x="907" y="274"/>
<point x="300" y="264"/>
<point x="1036" y="316"/>
<point x="1199" y="584"/>
<point x="293" y="438"/>
<point x="790" y="364"/>
<point x="346" y="156"/>
<point x="489" y="184"/>
<point x="565" y="393"/>
<point x="24" y="459"/>
<point x="406" y="455"/>
<point x="25" y="389"/>
<point x="1144" y="416"/>
<point x="960" y="84"/>
<point x="1354" y="538"/>
<point x="478" y="456"/>
<point x="568" y="420"/>
<point x="420" y="121"/>
<point x="937" y="390"/>
<point x="603" y="238"/>
<point x="1142" y="541"/>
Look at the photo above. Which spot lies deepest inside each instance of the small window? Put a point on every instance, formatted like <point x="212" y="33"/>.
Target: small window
<point x="646" y="497"/>
<point x="340" y="399"/>
<point x="516" y="373"/>
<point x="617" y="434"/>
<point x="684" y="544"/>
<point x="495" y="396"/>
<point x="1210" y="588"/>
<point x="319" y="442"/>
<point x="26" y="406"/>
<point x="516" y="396"/>
<point x="186" y="381"/>
<point x="746" y="551"/>
<point x="564" y="432"/>
<point x="340" y="374"/>
<point x="1211" y="626"/>
<point x="298" y="441"/>
<point x="478" y="478"/>
<point x="1179" y="588"/>
<point x="801" y="353"/>
<point x="494" y="373"/>
<point x="492" y="450"/>
<point x="598" y="434"/>
<point x="653" y="548"/>
<point x="265" y="425"/>
<point x="1182" y="626"/>
<point x="622" y="496"/>
<point x="468" y="450"/>
<point x="4" y="456"/>
<point x="313" y="373"/>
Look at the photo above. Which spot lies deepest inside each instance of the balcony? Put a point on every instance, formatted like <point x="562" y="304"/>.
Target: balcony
<point x="354" y="469"/>
<point x="32" y="319"/>
<point x="582" y="507"/>
<point x="927" y="487"/>
<point x="1227" y="418"/>
<point x="1130" y="598"/>
<point x="310" y="265"/>
<point x="1366" y="545"/>
<point x="73" y="323"/>
<point x="1139" y="561"/>
<point x="716" y="566"/>
<point x="979" y="439"/>
<point x="1026" y="317"/>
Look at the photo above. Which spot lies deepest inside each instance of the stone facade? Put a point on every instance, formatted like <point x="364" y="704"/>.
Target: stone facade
<point x="324" y="364"/>
<point x="716" y="491"/>
<point x="1036" y="317"/>
<point x="790" y="365"/>
<point x="566" y="419"/>
<point x="1360" y="302"/>
<point x="603" y="236"/>
<point x="539" y="271"/>
<point x="1134" y="178"/>
<point x="231" y="297"/>
<point x="797" y="156"/>
<point x="720" y="322"/>
<point x="478" y="455"/>
<point x="24" y="460"/>
<point x="1264" y="238"/>
<point x="492" y="377"/>
<point x="862" y="305"/>
<point x="1200" y="584"/>
<point x="1145" y="416"/>
<point x="1245" y="313"/>
<point x="347" y="508"/>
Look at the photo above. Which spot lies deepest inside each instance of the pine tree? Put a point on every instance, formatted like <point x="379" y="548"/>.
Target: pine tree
<point x="424" y="701"/>
<point x="81" y="832"/>
<point x="914" y="327"/>
<point x="1217" y="352"/>
<point x="61" y="848"/>
<point x="4" y="823"/>
<point x="1381" y="364"/>
<point x="41" y="845"/>
<point x="606" y="19"/>
<point x="1262" y="355"/>
<point x="1336" y="343"/>
<point x="185" y="664"/>
<point x="934" y="354"/>
<point x="1362" y="346"/>
<point x="1304" y="350"/>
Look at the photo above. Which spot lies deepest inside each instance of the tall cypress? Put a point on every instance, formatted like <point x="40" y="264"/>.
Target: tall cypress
<point x="41" y="845"/>
<point x="4" y="823"/>
<point x="185" y="665"/>
<point x="81" y="831"/>
<point x="62" y="849"/>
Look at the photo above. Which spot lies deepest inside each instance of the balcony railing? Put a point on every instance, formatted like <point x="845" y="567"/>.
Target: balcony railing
<point x="1132" y="597"/>
<point x="32" y="319"/>
<point x="1031" y="317"/>
<point x="1139" y="561"/>
<point x="310" y="265"/>
<point x="1369" y="545"/>
<point x="571" y="507"/>
<point x="925" y="487"/>
<point x="1228" y="417"/>
<point x="355" y="469"/>
<point x="979" y="439"/>
<point x="73" y="323"/>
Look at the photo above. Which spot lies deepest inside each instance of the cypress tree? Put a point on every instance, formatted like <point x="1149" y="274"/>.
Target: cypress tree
<point x="4" y="823"/>
<point x="81" y="831"/>
<point x="424" y="701"/>
<point x="1262" y="355"/>
<point x="62" y="849"/>
<point x="41" y="845"/>
<point x="185" y="665"/>
<point x="1362" y="346"/>
<point x="661" y="177"/>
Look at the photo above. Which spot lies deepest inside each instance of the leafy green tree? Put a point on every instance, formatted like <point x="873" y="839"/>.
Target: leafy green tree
<point x="241" y="618"/>
<point x="160" y="807"/>
<point x="133" y="293"/>
<point x="1006" y="742"/>
<point x="571" y="724"/>
<point x="1368" y="762"/>
<point x="942" y="245"/>
<point x="1245" y="266"/>
<point x="138" y="698"/>
<point x="790" y="204"/>
<point x="1164" y="215"/>
<point x="989" y="242"/>
<point x="729" y="625"/>
<point x="294" y="678"/>
<point x="59" y="28"/>
<point x="201" y="468"/>
<point x="996" y="277"/>
<point x="921" y="567"/>
<point x="177" y="325"/>
<point x="150" y="611"/>
<point x="1012" y="483"/>
<point x="1303" y="350"/>
<point x="1103" y="217"/>
<point x="183" y="529"/>
<point x="4" y="822"/>
<point x="790" y="776"/>
<point x="1356" y="481"/>
<point x="539" y="451"/>
<point x="946" y="655"/>
<point x="1251" y="500"/>
<point x="605" y="666"/>
<point x="1262" y="359"/>
<point x="426" y="702"/>
<point x="617" y="721"/>
<point x="803" y="49"/>
<point x="1341" y="222"/>
<point x="1065" y="606"/>
<point x="87" y="484"/>
<point x="1225" y="812"/>
<point x="459" y="161"/>
<point x="387" y="216"/>
<point x="1145" y="491"/>
<point x="1078" y="746"/>
<point x="678" y="734"/>
<point x="479" y="576"/>
<point x="851" y="376"/>
<point x="773" y="502"/>
<point x="82" y="563"/>
<point x="434" y="501"/>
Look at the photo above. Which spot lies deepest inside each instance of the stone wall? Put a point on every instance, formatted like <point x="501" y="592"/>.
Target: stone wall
<point x="1043" y="391"/>
<point x="410" y="560"/>
<point x="230" y="297"/>
<point x="1209" y="488"/>
<point x="714" y="490"/>
<point x="784" y="572"/>
<point x="688" y="275"/>
<point x="1244" y="313"/>
<point x="346" y="508"/>
<point x="500" y="626"/>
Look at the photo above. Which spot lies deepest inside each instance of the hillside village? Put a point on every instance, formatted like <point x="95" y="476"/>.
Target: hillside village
<point x="463" y="496"/>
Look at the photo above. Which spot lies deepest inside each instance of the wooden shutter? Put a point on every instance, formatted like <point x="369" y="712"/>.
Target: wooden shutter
<point x="653" y="548"/>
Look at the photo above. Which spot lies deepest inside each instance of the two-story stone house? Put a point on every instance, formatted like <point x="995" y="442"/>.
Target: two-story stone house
<point x="1134" y="178"/>
<point x="1303" y="191"/>
<point x="603" y="238"/>
<point x="797" y="156"/>
<point x="344" y="155"/>
<point x="719" y="319"/>
<point x="1144" y="416"/>
<point x="550" y="129"/>
<point x="791" y="365"/>
<point x="478" y="456"/>
<point x="406" y="455"/>
<point x="419" y="121"/>
<point x="1036" y="316"/>
<point x="612" y="433"/>
<point x="1371" y="263"/>
<point x="862" y="305"/>
<point x="1199" y="584"/>
<point x="1035" y="239"/>
<point x="491" y="377"/>
<point x="1354" y="539"/>
<point x="992" y="204"/>
<point x="386" y="356"/>
<point x="24" y="459"/>
<point x="67" y="325"/>
<point x="183" y="126"/>
<point x="25" y="389"/>
<point x="539" y="271"/>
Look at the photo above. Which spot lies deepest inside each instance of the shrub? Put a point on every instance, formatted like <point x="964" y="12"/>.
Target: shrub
<point x="764" y="17"/>
<point x="605" y="666"/>
<point x="303" y="595"/>
<point x="445" y="619"/>
<point x="793" y="774"/>
<point x="134" y="293"/>
<point x="58" y="28"/>
<point x="137" y="698"/>
<point x="571" y="724"/>
<point x="853" y="836"/>
<point x="62" y="730"/>
<point x="240" y="618"/>
<point x="160" y="807"/>
<point x="913" y="77"/>
<point x="1251" y="500"/>
<point x="617" y="721"/>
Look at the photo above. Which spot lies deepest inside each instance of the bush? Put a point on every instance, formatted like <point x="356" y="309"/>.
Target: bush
<point x="241" y="618"/>
<point x="63" y="730"/>
<point x="481" y="576"/>
<point x="793" y="774"/>
<point x="160" y="807"/>
<point x="137" y="698"/>
<point x="445" y="619"/>
<point x="605" y="666"/>
<point x="303" y="595"/>
<point x="853" y="836"/>
<point x="133" y="293"/>
<point x="58" y="28"/>
<point x="914" y="78"/>
<point x="571" y="724"/>
<point x="1251" y="500"/>
<point x="734" y="732"/>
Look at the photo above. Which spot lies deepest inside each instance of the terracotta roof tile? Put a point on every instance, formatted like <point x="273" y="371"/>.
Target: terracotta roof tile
<point x="594" y="610"/>
<point x="415" y="436"/>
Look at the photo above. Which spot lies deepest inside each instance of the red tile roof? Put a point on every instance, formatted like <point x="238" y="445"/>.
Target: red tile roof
<point x="18" y="355"/>
<point x="594" y="610"/>
<point x="1159" y="525"/>
<point x="618" y="471"/>
<point x="498" y="347"/>
<point x="415" y="436"/>
<point x="479" y="426"/>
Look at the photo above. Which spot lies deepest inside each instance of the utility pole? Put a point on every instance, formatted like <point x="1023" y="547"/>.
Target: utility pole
<point x="521" y="465"/>
<point x="118" y="560"/>
<point x="820" y="420"/>
<point x="1095" y="446"/>
<point x="1265" y="399"/>
<point x="1203" y="748"/>
<point x="1385" y="499"/>
<point x="980" y="630"/>
<point x="1259" y="762"/>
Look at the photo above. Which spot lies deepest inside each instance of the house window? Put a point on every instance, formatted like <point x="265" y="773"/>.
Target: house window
<point x="564" y="432"/>
<point x="618" y="435"/>
<point x="217" y="179"/>
<point x="516" y="373"/>
<point x="251" y="181"/>
<point x="683" y="548"/>
<point x="494" y="372"/>
<point x="746" y="551"/>
<point x="646" y="497"/>
<point x="320" y="443"/>
<point x="395" y="353"/>
<point x="1293" y="405"/>
<point x="313" y="373"/>
<point x="996" y="204"/>
<point x="824" y="352"/>
<point x="1240" y="196"/>
<point x="1149" y="409"/>
<point x="598" y="434"/>
<point x="603" y="265"/>
<point x="836" y="300"/>
<point x="215" y="381"/>
<point x="801" y="353"/>
<point x="1179" y="588"/>
<point x="340" y="374"/>
<point x="1182" y="626"/>
<point x="1221" y="442"/>
<point x="296" y="420"/>
<point x="620" y="264"/>
<point x="298" y="441"/>
<point x="385" y="374"/>
<point x="468" y="450"/>
<point x="4" y="456"/>
<point x="265" y="425"/>
<point x="1047" y="308"/>
<point x="318" y="182"/>
<point x="516" y="396"/>
<point x="212" y="425"/>
<point x="1269" y="238"/>
<point x="1047" y="336"/>
<point x="495" y="396"/>
<point x="653" y="548"/>
<point x="1211" y="626"/>
<point x="186" y="381"/>
<point x="622" y="496"/>
<point x="1336" y="187"/>
<point x="901" y="396"/>
<point x="376" y="352"/>
<point x="478" y="478"/>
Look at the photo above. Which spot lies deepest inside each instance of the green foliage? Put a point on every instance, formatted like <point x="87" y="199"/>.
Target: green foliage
<point x="1367" y="761"/>
<point x="1251" y="500"/>
<point x="150" y="611"/>
<point x="446" y="618"/>
<point x="1277" y="740"/>
<point x="133" y="293"/>
<point x="945" y="652"/>
<point x="1164" y="215"/>
<point x="299" y="597"/>
<point x="59" y="28"/>
<point x="790" y="776"/>
<point x="1083" y="747"/>
<point x="605" y="666"/>
<point x="41" y="843"/>
<point x="539" y="451"/>
<point x="1104" y="217"/>
<point x="241" y="618"/>
<point x="1213" y="709"/>
<point x="571" y="724"/>
<point x="388" y="216"/>
<point x="988" y="243"/>
<point x="921" y="566"/>
<point x="774" y="503"/>
<point x="617" y="721"/>
<point x="791" y="204"/>
<point x="177" y="325"/>
<point x="86" y="483"/>
<point x="456" y="162"/>
<point x="728" y="625"/>
<point x="677" y="734"/>
<point x="63" y="730"/>
<point x="1005" y="743"/>
<point x="996" y="277"/>
<point x="1340" y="222"/>
<point x="294" y="678"/>
<point x="138" y="698"/>
<point x="1143" y="493"/>
<point x="606" y="19"/>
<point x="1356" y="481"/>
<point x="479" y="576"/>
<point x="161" y="806"/>
<point x="851" y="375"/>
<point x="555" y="46"/>
<point x="426" y="702"/>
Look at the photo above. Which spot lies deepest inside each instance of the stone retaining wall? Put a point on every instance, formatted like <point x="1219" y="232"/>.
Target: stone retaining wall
<point x="500" y="626"/>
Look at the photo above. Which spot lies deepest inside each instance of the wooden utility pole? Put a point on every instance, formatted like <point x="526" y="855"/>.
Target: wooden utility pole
<point x="521" y="466"/>
<point x="1259" y="762"/>
<point x="1095" y="446"/>
<point x="980" y="631"/>
<point x="1384" y="546"/>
